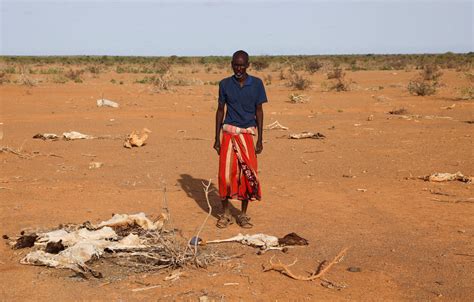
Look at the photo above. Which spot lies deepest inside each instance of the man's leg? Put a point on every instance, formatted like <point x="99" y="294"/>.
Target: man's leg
<point x="225" y="218"/>
<point x="243" y="220"/>
<point x="225" y="207"/>
<point x="245" y="204"/>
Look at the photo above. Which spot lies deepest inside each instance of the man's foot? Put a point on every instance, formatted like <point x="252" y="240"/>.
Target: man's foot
<point x="224" y="221"/>
<point x="244" y="221"/>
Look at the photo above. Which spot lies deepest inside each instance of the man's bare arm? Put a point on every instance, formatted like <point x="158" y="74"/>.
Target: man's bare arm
<point x="259" y="116"/>
<point x="219" y="119"/>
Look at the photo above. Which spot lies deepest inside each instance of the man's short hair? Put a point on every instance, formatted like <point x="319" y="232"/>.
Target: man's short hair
<point x="240" y="53"/>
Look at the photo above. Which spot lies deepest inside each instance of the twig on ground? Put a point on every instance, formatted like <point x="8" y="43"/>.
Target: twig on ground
<point x="284" y="269"/>
<point x="145" y="288"/>
<point x="18" y="152"/>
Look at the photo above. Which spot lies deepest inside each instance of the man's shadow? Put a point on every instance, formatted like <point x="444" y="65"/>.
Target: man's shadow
<point x="194" y="188"/>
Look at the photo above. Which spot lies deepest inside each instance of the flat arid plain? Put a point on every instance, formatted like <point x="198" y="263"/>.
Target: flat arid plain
<point x="358" y="188"/>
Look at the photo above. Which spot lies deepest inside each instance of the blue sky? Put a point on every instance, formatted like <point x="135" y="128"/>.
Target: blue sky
<point x="162" y="28"/>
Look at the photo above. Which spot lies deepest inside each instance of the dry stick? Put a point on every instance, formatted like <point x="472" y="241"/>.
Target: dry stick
<point x="165" y="204"/>
<point x="11" y="150"/>
<point x="282" y="268"/>
<point x="206" y="191"/>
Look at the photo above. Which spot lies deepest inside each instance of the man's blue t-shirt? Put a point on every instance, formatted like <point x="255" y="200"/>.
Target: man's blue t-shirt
<point x="241" y="101"/>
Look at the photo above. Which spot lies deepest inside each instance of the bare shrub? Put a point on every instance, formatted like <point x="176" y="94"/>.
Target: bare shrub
<point x="267" y="79"/>
<point x="313" y="66"/>
<point x="466" y="93"/>
<point x="27" y="80"/>
<point x="59" y="79"/>
<point x="427" y="82"/>
<point x="4" y="78"/>
<point x="336" y="73"/>
<point x="74" y="75"/>
<point x="340" y="83"/>
<point x="421" y="88"/>
<point x="95" y="69"/>
<point x="298" y="82"/>
<point x="431" y="72"/>
<point x="282" y="75"/>
<point x="400" y="111"/>
<point x="161" y="82"/>
<point x="260" y="64"/>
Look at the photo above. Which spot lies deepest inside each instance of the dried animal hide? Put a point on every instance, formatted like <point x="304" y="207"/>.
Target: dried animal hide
<point x="266" y="242"/>
<point x="72" y="249"/>
<point x="140" y="219"/>
<point x="46" y="136"/>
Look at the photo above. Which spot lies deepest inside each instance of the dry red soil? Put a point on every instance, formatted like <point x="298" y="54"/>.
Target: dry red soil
<point x="411" y="239"/>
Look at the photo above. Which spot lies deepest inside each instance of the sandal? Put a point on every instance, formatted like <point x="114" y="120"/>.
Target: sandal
<point x="244" y="221"/>
<point x="224" y="221"/>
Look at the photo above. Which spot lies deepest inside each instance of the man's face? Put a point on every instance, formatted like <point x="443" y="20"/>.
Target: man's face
<point x="240" y="64"/>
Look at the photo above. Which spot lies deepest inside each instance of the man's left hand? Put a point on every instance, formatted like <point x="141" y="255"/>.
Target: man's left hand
<point x="259" y="147"/>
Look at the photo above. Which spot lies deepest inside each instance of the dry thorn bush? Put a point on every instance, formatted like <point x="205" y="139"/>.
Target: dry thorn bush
<point x="427" y="81"/>
<point x="313" y="66"/>
<point x="267" y="79"/>
<point x="336" y="73"/>
<point x="340" y="83"/>
<point x="4" y="78"/>
<point x="298" y="82"/>
<point x="74" y="75"/>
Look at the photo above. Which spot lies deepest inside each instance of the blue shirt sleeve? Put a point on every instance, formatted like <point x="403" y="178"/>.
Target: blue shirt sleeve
<point x="261" y="95"/>
<point x="222" y="96"/>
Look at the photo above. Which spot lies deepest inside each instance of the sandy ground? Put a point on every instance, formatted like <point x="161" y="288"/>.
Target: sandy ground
<point x="410" y="242"/>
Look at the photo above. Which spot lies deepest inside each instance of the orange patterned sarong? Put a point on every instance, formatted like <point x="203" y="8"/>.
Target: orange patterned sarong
<point x="238" y="165"/>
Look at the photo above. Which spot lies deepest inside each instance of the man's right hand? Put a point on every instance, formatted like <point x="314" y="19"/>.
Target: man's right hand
<point x="217" y="147"/>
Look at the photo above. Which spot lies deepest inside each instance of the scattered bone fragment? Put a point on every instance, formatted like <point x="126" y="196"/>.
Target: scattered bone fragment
<point x="136" y="139"/>
<point x="305" y="134"/>
<point x="107" y="103"/>
<point x="275" y="126"/>
<point x="95" y="165"/>
<point x="73" y="135"/>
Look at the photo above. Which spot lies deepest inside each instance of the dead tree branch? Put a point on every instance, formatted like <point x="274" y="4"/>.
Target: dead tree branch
<point x="284" y="268"/>
<point x="206" y="192"/>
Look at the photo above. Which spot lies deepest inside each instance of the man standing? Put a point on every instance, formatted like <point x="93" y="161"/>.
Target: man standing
<point x="242" y="95"/>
